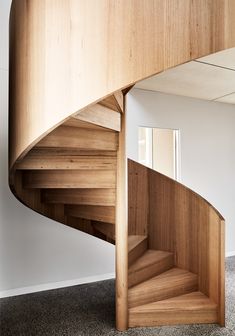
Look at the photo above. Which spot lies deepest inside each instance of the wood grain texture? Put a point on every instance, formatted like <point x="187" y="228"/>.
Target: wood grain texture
<point x="72" y="137"/>
<point x="44" y="179"/>
<point x="169" y="284"/>
<point x="105" y="197"/>
<point x="66" y="56"/>
<point x="182" y="222"/>
<point x="192" y="308"/>
<point x="138" y="200"/>
<point x="75" y="122"/>
<point x="102" y="116"/>
<point x="62" y="162"/>
<point x="130" y="40"/>
<point x="137" y="245"/>
<point x="121" y="232"/>
<point x="150" y="264"/>
<point x="98" y="213"/>
<point x="114" y="102"/>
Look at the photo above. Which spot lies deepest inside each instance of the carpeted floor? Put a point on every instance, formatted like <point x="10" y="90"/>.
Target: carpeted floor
<point x="88" y="310"/>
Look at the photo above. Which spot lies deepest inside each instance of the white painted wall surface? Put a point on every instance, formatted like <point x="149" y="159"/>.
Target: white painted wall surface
<point x="207" y="136"/>
<point x="36" y="251"/>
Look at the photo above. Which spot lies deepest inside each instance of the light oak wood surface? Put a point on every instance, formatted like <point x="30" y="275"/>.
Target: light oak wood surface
<point x="105" y="197"/>
<point x="102" y="116"/>
<point x="137" y="245"/>
<point x="190" y="308"/>
<point x="74" y="59"/>
<point x="46" y="89"/>
<point x="169" y="284"/>
<point x="54" y="162"/>
<point x="44" y="179"/>
<point x="72" y="137"/>
<point x="98" y="213"/>
<point x="183" y="223"/>
<point x="151" y="263"/>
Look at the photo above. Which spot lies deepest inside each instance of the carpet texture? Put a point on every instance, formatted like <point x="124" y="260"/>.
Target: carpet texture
<point x="89" y="310"/>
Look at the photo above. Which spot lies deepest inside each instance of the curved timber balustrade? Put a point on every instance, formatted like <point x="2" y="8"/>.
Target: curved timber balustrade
<point x="177" y="275"/>
<point x="71" y="64"/>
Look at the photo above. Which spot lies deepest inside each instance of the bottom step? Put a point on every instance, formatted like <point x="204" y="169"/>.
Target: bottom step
<point x="185" y="309"/>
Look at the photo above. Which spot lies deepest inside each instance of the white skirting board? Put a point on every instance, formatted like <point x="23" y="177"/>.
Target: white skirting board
<point x="55" y="285"/>
<point x="67" y="283"/>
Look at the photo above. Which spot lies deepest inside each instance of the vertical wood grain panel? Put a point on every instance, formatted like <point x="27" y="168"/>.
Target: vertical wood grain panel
<point x="101" y="47"/>
<point x="161" y="208"/>
<point x="177" y="32"/>
<point x="138" y="199"/>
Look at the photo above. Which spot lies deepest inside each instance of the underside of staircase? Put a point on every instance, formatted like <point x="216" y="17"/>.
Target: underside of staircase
<point x="73" y="170"/>
<point x="71" y="65"/>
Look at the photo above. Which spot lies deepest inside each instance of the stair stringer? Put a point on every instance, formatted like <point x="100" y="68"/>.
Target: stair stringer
<point x="69" y="55"/>
<point x="176" y="219"/>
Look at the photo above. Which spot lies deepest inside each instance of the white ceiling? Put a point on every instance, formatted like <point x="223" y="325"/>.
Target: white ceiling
<point x="210" y="78"/>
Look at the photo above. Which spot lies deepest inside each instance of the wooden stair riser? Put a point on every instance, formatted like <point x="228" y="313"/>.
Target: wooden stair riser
<point x="97" y="213"/>
<point x="186" y="309"/>
<point x="48" y="153"/>
<point x="59" y="162"/>
<point x="169" y="284"/>
<point x="104" y="197"/>
<point x="79" y="138"/>
<point x="63" y="179"/>
<point x="105" y="228"/>
<point x="152" y="263"/>
<point x="136" y="247"/>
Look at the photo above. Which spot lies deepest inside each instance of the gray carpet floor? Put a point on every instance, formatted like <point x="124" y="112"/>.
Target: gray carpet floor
<point x="89" y="310"/>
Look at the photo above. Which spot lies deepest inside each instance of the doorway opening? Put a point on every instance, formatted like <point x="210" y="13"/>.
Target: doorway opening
<point x="159" y="149"/>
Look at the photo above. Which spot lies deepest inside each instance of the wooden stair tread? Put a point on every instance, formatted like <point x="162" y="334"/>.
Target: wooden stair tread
<point x="47" y="179"/>
<point x="75" y="122"/>
<point x="105" y="197"/>
<point x="137" y="245"/>
<point x="97" y="213"/>
<point x="102" y="116"/>
<point x="171" y="283"/>
<point x="190" y="308"/>
<point x="151" y="263"/>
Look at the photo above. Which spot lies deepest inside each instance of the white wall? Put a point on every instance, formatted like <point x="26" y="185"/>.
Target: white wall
<point x="35" y="250"/>
<point x="207" y="135"/>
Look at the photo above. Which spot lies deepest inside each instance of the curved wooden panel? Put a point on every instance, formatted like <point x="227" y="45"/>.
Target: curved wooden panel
<point x="178" y="220"/>
<point x="67" y="54"/>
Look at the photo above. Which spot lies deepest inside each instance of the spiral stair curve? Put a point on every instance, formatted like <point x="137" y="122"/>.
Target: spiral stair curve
<point x="71" y="65"/>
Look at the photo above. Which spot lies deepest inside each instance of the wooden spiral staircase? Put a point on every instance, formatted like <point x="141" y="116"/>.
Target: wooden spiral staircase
<point x="71" y="65"/>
